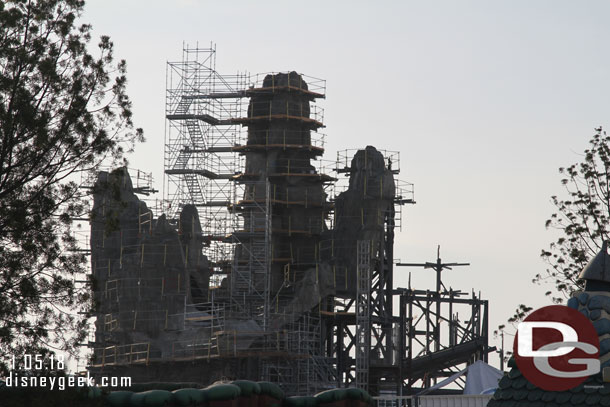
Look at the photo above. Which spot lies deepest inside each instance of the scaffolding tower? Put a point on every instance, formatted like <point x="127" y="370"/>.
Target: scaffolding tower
<point x="257" y="191"/>
<point x="200" y="136"/>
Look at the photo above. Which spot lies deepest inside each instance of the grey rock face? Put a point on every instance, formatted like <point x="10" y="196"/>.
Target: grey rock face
<point x="359" y="215"/>
<point x="145" y="271"/>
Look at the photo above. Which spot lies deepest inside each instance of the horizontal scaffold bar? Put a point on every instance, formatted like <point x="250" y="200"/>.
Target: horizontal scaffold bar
<point x="269" y="117"/>
<point x="279" y="146"/>
<point x="205" y="173"/>
<point x="284" y="89"/>
<point x="243" y="120"/>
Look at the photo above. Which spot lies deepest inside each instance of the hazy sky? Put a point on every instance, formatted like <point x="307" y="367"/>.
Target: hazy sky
<point x="483" y="99"/>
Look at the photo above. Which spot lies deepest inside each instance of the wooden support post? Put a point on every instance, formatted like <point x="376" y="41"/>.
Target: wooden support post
<point x="334" y="276"/>
<point x="364" y="189"/>
<point x="121" y="252"/>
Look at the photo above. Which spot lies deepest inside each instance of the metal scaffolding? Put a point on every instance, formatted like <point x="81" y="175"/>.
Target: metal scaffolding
<point x="199" y="140"/>
<point x="363" y="314"/>
<point x="285" y="295"/>
<point x="250" y="275"/>
<point x="251" y="213"/>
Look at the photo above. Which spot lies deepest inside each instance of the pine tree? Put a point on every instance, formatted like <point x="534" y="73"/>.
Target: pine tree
<point x="63" y="111"/>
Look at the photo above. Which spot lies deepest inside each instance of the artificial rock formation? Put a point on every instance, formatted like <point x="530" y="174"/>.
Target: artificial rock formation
<point x="145" y="273"/>
<point x="360" y="213"/>
<point x="278" y="171"/>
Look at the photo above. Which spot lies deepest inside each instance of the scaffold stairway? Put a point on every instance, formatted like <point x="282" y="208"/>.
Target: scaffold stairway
<point x="194" y="188"/>
<point x="182" y="160"/>
<point x="195" y="134"/>
<point x="183" y="105"/>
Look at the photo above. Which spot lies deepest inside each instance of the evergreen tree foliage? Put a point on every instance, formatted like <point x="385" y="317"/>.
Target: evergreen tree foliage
<point x="582" y="218"/>
<point x="582" y="221"/>
<point x="63" y="111"/>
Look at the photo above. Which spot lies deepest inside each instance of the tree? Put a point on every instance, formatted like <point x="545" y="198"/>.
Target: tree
<point x="63" y="111"/>
<point x="581" y="218"/>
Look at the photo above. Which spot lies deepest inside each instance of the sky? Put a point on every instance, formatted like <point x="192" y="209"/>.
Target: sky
<point x="484" y="100"/>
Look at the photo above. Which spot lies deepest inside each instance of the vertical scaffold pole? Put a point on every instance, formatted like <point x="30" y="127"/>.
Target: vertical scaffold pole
<point x="363" y="321"/>
<point x="267" y="259"/>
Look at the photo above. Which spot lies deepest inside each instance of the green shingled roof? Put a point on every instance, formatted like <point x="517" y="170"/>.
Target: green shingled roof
<point x="515" y="390"/>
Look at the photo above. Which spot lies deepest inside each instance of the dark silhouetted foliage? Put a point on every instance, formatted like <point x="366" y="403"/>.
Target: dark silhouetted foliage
<point x="63" y="110"/>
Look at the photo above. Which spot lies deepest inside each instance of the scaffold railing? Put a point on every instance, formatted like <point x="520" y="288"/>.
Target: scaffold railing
<point x="307" y="196"/>
<point x="287" y="167"/>
<point x="204" y="107"/>
<point x="344" y="160"/>
<point x="283" y="139"/>
<point x="266" y="81"/>
<point x="279" y="110"/>
<point x="167" y="285"/>
<point x="175" y="320"/>
<point x="142" y="181"/>
<point x="122" y="354"/>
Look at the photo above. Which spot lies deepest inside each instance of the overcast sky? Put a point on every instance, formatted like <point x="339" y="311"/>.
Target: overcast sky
<point x="483" y="99"/>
